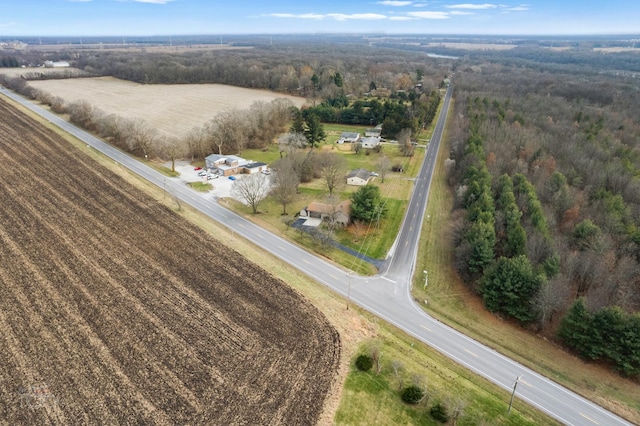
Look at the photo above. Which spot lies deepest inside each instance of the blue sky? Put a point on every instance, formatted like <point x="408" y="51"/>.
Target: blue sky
<point x="177" y="17"/>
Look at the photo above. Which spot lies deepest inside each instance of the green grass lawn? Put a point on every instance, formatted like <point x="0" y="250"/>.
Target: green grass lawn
<point x="200" y="186"/>
<point x="372" y="398"/>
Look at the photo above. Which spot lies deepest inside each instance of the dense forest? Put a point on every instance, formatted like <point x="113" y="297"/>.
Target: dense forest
<point x="547" y="181"/>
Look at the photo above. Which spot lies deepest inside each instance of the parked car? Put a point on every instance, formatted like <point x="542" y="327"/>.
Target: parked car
<point x="198" y="168"/>
<point x="266" y="172"/>
<point x="374" y="174"/>
<point x="202" y="173"/>
<point x="212" y="176"/>
<point x="232" y="178"/>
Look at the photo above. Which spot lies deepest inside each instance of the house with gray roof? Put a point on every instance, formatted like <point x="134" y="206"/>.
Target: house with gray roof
<point x="359" y="177"/>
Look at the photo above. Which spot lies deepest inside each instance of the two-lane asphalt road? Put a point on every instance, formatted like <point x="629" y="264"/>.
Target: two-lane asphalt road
<point x="387" y="295"/>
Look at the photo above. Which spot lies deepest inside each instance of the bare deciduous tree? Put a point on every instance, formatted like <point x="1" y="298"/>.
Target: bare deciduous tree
<point x="284" y="183"/>
<point x="171" y="148"/>
<point x="334" y="169"/>
<point x="404" y="142"/>
<point x="289" y="143"/>
<point x="141" y="137"/>
<point x="114" y="128"/>
<point x="196" y="144"/>
<point x="384" y="164"/>
<point x="397" y="367"/>
<point x="227" y="131"/>
<point x="252" y="189"/>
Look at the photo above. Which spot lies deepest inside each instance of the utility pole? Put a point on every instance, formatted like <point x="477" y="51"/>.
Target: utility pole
<point x="515" y="385"/>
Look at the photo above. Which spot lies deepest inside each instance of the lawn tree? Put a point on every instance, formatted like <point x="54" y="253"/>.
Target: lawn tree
<point x="284" y="183"/>
<point x="303" y="163"/>
<point x="404" y="142"/>
<point x="383" y="166"/>
<point x="314" y="131"/>
<point x="334" y="169"/>
<point x="141" y="137"/>
<point x="251" y="189"/>
<point x="290" y="143"/>
<point x="367" y="204"/>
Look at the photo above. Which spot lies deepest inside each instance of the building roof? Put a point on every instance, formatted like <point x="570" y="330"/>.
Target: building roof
<point x="350" y="135"/>
<point x="254" y="164"/>
<point x="371" y="140"/>
<point x="222" y="161"/>
<point x="343" y="207"/>
<point x="363" y="174"/>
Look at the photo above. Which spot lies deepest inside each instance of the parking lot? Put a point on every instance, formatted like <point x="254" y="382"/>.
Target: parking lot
<point x="221" y="185"/>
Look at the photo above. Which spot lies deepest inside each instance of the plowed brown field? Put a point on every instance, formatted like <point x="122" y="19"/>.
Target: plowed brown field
<point x="113" y="310"/>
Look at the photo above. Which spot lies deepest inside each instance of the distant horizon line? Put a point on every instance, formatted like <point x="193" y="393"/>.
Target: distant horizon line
<point x="354" y="34"/>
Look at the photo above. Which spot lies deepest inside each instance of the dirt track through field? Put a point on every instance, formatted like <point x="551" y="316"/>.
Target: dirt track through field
<point x="114" y="310"/>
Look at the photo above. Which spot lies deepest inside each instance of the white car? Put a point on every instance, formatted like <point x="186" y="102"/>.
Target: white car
<point x="202" y="173"/>
<point x="212" y="176"/>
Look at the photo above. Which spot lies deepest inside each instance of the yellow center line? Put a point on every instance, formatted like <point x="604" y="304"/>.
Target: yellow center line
<point x="471" y="353"/>
<point x="590" y="419"/>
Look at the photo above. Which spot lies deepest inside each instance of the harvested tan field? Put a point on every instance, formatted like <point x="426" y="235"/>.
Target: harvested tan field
<point x="616" y="49"/>
<point x="173" y="109"/>
<point x="114" y="310"/>
<point x="475" y="46"/>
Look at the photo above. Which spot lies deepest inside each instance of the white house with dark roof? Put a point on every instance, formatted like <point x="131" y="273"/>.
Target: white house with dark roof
<point x="349" y="137"/>
<point x="359" y="177"/>
<point x="370" y="142"/>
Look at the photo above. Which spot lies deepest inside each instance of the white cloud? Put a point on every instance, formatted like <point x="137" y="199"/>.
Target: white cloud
<point x="357" y="16"/>
<point x="460" y="13"/>
<point x="429" y="15"/>
<point x="519" y="8"/>
<point x="401" y="18"/>
<point x="7" y="24"/>
<point x="336" y="16"/>
<point x="395" y="3"/>
<point x="300" y="16"/>
<point x="472" y="6"/>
